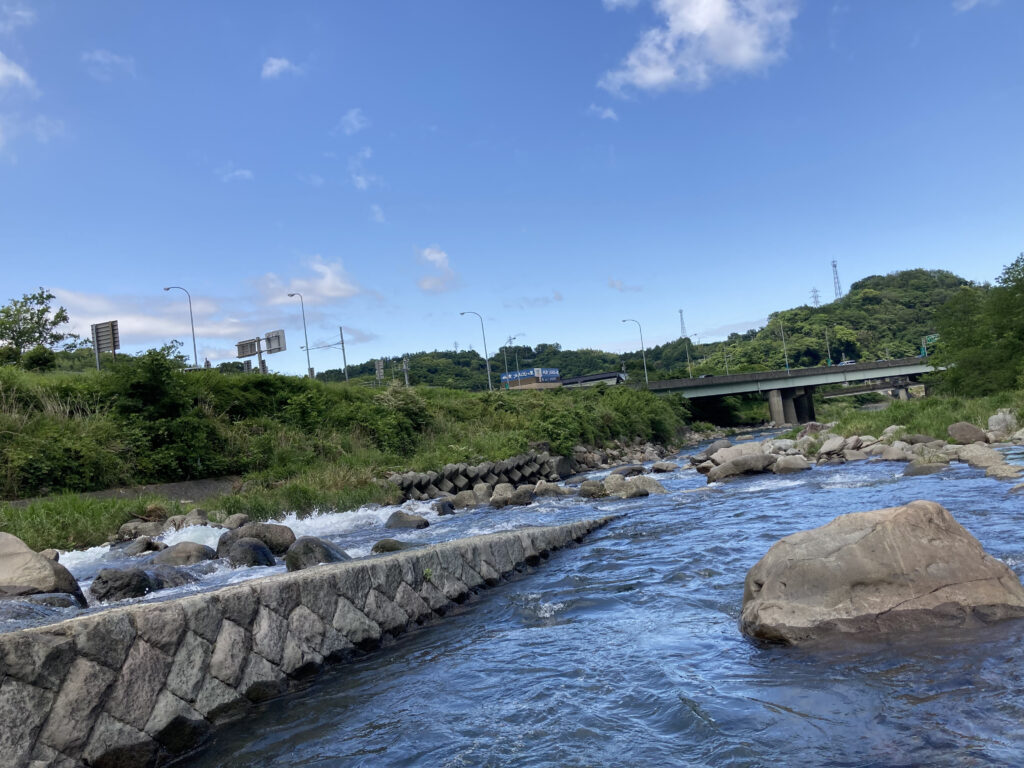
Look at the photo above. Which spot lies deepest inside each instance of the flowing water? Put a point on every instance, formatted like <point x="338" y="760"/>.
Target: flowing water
<point x="625" y="650"/>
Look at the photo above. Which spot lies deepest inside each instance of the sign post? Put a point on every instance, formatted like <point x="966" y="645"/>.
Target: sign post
<point x="274" y="341"/>
<point x="105" y="338"/>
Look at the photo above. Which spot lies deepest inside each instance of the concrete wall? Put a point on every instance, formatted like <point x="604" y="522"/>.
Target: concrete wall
<point x="143" y="684"/>
<point x="527" y="468"/>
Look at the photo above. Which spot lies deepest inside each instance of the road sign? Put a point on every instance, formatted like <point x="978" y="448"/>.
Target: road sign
<point x="275" y="342"/>
<point x="931" y="338"/>
<point x="248" y="348"/>
<point x="105" y="337"/>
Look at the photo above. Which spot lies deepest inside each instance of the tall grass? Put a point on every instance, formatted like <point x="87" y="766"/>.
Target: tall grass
<point x="927" y="416"/>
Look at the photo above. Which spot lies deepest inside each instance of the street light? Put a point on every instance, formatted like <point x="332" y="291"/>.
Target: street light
<point x="195" y="357"/>
<point x="309" y="368"/>
<point x="483" y="333"/>
<point x="643" y="351"/>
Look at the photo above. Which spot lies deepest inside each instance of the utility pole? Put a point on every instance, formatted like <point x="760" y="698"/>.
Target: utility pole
<point x="784" y="352"/>
<point x="405" y="368"/>
<point x="344" y="361"/>
<point x="828" y="349"/>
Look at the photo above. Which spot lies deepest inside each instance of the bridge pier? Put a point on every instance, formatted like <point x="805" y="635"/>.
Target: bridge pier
<point x="792" y="405"/>
<point x="903" y="393"/>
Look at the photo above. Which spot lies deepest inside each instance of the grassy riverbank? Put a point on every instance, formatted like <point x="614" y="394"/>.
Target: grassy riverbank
<point x="298" y="444"/>
<point x="927" y="416"/>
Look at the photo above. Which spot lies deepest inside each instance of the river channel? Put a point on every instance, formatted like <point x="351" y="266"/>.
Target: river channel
<point x="625" y="650"/>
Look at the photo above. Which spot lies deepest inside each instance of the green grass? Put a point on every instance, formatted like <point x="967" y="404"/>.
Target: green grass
<point x="927" y="416"/>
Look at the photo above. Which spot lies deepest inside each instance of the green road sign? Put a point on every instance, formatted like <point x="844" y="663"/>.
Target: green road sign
<point x="931" y="338"/>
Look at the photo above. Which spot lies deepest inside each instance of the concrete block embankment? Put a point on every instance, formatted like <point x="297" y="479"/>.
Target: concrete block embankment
<point x="144" y="684"/>
<point x="525" y="469"/>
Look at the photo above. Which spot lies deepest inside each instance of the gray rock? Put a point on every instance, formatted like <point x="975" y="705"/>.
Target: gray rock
<point x="707" y="453"/>
<point x="751" y="464"/>
<point x="308" y="551"/>
<point x="901" y="569"/>
<point x="135" y="528"/>
<point x="184" y="553"/>
<point x="502" y="494"/>
<point x="832" y="445"/>
<point x="482" y="491"/>
<point x="628" y="470"/>
<point x="50" y="554"/>
<point x="705" y="467"/>
<point x="893" y="453"/>
<point x="918" y="438"/>
<point x="388" y="545"/>
<point x="786" y="464"/>
<point x="448" y="506"/>
<point x="25" y="572"/>
<point x="544" y="488"/>
<point x="725" y="455"/>
<point x="137" y="547"/>
<point x="236" y="520"/>
<point x="664" y="466"/>
<point x="249" y="552"/>
<point x="121" y="584"/>
<point x="649" y="484"/>
<point x="277" y="538"/>
<point x="521" y="496"/>
<point x="462" y="500"/>
<point x="980" y="456"/>
<point x="1003" y="471"/>
<point x="965" y="433"/>
<point x="1003" y="423"/>
<point x="592" y="489"/>
<point x="400" y="519"/>
<point x="918" y="468"/>
<point x="849" y="455"/>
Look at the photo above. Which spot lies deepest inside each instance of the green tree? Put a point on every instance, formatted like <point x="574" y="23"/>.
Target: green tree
<point x="31" y="321"/>
<point x="39" y="359"/>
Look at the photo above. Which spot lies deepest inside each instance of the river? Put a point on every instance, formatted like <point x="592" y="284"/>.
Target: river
<point x="625" y="650"/>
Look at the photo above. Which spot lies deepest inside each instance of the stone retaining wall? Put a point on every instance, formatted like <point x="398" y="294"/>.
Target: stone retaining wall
<point x="142" y="685"/>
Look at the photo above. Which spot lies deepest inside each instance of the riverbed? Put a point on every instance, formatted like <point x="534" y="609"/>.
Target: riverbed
<point x="625" y="650"/>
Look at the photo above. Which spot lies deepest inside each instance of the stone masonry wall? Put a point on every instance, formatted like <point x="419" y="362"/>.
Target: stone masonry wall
<point x="142" y="685"/>
<point x="527" y="468"/>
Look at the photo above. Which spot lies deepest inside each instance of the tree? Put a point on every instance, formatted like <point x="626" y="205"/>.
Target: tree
<point x="31" y="322"/>
<point x="39" y="359"/>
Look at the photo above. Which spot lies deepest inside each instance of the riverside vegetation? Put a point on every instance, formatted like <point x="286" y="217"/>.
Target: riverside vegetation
<point x="297" y="444"/>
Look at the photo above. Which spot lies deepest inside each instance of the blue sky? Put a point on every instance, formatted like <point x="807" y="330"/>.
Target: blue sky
<point x="555" y="166"/>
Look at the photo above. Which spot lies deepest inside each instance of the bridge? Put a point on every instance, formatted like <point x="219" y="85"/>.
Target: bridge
<point x="790" y="393"/>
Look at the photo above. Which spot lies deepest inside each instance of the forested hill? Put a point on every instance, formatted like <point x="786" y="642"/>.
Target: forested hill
<point x="881" y="316"/>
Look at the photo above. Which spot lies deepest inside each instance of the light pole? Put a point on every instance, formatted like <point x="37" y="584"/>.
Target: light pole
<point x="483" y="333"/>
<point x="785" y="354"/>
<point x="726" y="363"/>
<point x="302" y="303"/>
<point x="195" y="356"/>
<point x="643" y="350"/>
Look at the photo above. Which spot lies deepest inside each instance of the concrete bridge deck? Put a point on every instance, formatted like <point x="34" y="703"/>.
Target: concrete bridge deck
<point x="790" y="392"/>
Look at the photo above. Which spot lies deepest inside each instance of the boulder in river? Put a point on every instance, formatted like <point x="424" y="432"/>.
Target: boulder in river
<point x="628" y="470"/>
<point x="787" y="464"/>
<point x="649" y="484"/>
<point x="236" y="520"/>
<point x="592" y="489"/>
<point x="184" y="553"/>
<point x="388" y="545"/>
<point x="900" y="569"/>
<point x="1003" y="423"/>
<point x="919" y="468"/>
<point x="276" y="537"/>
<point x="123" y="583"/>
<point x="249" y="552"/>
<point x="26" y="572"/>
<point x="308" y="551"/>
<point x="400" y="519"/>
<point x="135" y="528"/>
<point x="751" y="464"/>
<point x="980" y="456"/>
<point x="965" y="433"/>
<point x="664" y="466"/>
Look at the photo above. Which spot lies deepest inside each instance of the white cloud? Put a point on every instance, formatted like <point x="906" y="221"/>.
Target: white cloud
<point x="618" y="285"/>
<point x="353" y="122"/>
<point x="445" y="277"/>
<point x="613" y="5"/>
<point x="13" y="16"/>
<point x="12" y="75"/>
<point x="377" y="214"/>
<point x="330" y="282"/>
<point x="361" y="177"/>
<point x="105" y="66"/>
<point x="313" y="179"/>
<point x="704" y="39"/>
<point x="534" y="302"/>
<point x="960" y="6"/>
<point x="229" y="173"/>
<point x="603" y="113"/>
<point x="274" y="68"/>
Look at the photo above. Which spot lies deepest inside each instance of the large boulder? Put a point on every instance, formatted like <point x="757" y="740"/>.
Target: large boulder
<point x="26" y="572"/>
<point x="544" y="488"/>
<point x="834" y="444"/>
<point x="276" y="537"/>
<point x="725" y="455"/>
<point x="664" y="466"/>
<point x="236" y="520"/>
<point x="389" y="545"/>
<point x="184" y="553"/>
<point x="980" y="456"/>
<point x="502" y="495"/>
<point x="900" y="569"/>
<point x="649" y="484"/>
<point x="249" y="553"/>
<point x="133" y="529"/>
<point x="400" y="519"/>
<point x="965" y="433"/>
<point x="751" y="464"/>
<point x="786" y="464"/>
<point x="628" y="470"/>
<point x="1003" y="424"/>
<point x="308" y="551"/>
<point x="121" y="584"/>
<point x="707" y="453"/>
<point x="592" y="489"/>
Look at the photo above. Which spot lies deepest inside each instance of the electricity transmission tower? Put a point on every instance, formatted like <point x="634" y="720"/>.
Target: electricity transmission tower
<point x="815" y="297"/>
<point x="835" y="279"/>
<point x="682" y="335"/>
<point x="682" y="325"/>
